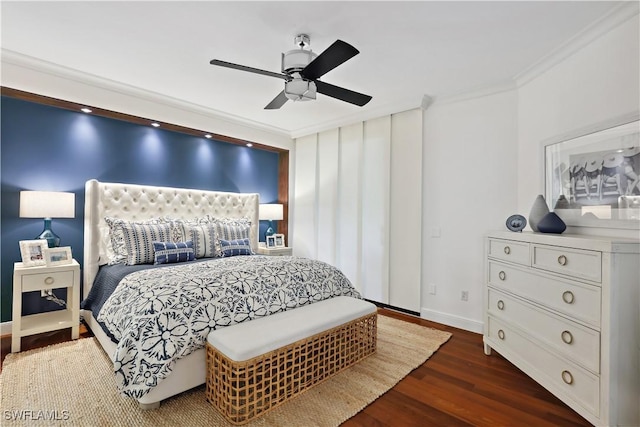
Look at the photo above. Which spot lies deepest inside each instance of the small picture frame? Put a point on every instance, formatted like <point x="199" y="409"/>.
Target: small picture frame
<point x="33" y="252"/>
<point x="279" y="240"/>
<point x="271" y="241"/>
<point x="58" y="256"/>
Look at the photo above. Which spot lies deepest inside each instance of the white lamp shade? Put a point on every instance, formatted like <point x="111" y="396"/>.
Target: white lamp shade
<point x="272" y="211"/>
<point x="47" y="204"/>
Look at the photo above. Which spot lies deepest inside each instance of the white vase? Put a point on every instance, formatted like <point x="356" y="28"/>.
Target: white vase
<point x="538" y="211"/>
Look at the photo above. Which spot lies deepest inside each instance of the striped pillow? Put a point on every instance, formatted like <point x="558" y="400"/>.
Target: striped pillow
<point x="204" y="239"/>
<point x="235" y="247"/>
<point x="169" y="252"/>
<point x="231" y="229"/>
<point x="139" y="238"/>
<point x="116" y="248"/>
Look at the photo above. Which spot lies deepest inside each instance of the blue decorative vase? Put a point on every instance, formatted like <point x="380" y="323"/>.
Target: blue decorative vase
<point x="551" y="223"/>
<point x="538" y="211"/>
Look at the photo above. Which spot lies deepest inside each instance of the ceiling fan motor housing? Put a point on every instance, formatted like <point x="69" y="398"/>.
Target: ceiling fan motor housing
<point x="296" y="60"/>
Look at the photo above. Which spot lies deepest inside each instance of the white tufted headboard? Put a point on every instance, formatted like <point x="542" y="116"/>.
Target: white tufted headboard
<point x="137" y="202"/>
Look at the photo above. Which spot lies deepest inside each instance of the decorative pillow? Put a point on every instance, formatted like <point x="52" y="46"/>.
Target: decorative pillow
<point x="204" y="239"/>
<point x="235" y="247"/>
<point x="231" y="229"/>
<point x="180" y="227"/>
<point x="139" y="238"/>
<point x="116" y="248"/>
<point x="170" y="252"/>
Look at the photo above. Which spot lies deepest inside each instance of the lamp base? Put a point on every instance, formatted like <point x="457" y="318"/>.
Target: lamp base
<point x="53" y="240"/>
<point x="269" y="231"/>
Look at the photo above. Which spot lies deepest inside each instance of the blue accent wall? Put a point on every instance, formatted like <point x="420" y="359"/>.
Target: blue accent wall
<point x="53" y="149"/>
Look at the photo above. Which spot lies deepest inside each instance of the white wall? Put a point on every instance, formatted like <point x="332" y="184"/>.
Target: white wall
<point x="595" y="84"/>
<point x="469" y="188"/>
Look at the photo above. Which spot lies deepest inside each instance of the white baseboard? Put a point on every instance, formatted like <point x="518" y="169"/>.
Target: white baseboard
<point x="452" y="320"/>
<point x="5" y="328"/>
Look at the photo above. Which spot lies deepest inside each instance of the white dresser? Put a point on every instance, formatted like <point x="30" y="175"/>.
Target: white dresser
<point x="565" y="309"/>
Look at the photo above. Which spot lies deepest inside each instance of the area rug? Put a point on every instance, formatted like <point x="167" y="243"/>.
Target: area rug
<point x="72" y="384"/>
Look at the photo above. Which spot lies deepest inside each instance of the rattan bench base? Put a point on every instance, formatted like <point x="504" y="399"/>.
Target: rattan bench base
<point x="242" y="391"/>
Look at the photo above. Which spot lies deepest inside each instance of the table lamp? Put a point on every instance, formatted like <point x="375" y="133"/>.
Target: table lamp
<point x="47" y="205"/>
<point x="270" y="212"/>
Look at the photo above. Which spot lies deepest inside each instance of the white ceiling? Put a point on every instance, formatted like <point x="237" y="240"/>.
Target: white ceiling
<point x="407" y="49"/>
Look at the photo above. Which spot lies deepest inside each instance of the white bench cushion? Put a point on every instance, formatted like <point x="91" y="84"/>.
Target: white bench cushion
<point x="247" y="340"/>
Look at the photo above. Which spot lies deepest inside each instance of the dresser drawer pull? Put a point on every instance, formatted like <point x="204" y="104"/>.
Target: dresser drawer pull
<point x="49" y="280"/>
<point x="567" y="337"/>
<point x="567" y="296"/>
<point x="562" y="260"/>
<point x="500" y="305"/>
<point x="507" y="250"/>
<point x="567" y="377"/>
<point x="502" y="275"/>
<point x="500" y="334"/>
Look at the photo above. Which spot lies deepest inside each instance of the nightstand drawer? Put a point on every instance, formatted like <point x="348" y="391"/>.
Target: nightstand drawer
<point x="508" y="250"/>
<point x="571" y="262"/>
<point x="52" y="280"/>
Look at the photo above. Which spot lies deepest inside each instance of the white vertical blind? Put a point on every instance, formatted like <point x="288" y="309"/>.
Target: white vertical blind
<point x="328" y="160"/>
<point x="349" y="248"/>
<point x="304" y="236"/>
<point x="358" y="204"/>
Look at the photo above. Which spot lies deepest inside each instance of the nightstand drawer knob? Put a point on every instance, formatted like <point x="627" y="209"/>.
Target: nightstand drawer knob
<point x="562" y="260"/>
<point x="507" y="250"/>
<point x="502" y="275"/>
<point x="49" y="280"/>
<point x="567" y="337"/>
<point x="567" y="377"/>
<point x="501" y="334"/>
<point x="568" y="297"/>
<point x="500" y="305"/>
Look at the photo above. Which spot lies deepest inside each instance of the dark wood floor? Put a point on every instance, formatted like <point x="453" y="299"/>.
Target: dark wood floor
<point x="457" y="386"/>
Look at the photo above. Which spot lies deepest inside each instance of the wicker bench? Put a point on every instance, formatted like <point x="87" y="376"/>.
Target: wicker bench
<point x="252" y="367"/>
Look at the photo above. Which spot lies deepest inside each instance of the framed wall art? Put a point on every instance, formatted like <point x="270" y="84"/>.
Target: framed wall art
<point x="593" y="180"/>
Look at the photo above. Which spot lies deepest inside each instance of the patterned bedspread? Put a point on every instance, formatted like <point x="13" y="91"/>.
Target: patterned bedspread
<point x="161" y="315"/>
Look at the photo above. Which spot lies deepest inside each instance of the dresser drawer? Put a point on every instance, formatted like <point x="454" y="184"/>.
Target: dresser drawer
<point x="577" y="300"/>
<point x="571" y="262"/>
<point x="54" y="280"/>
<point x="509" y="250"/>
<point x="551" y="370"/>
<point x="574" y="341"/>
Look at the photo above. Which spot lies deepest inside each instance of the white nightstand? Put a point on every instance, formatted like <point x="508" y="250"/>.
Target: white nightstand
<point x="36" y="279"/>
<point x="263" y="250"/>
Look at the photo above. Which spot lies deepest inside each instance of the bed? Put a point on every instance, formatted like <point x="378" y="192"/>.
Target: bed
<point x="115" y="201"/>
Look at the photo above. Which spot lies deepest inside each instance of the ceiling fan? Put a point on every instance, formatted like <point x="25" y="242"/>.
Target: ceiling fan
<point x="301" y="70"/>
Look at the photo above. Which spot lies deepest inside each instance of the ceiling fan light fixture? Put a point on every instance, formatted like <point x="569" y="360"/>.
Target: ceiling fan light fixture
<point x="300" y="90"/>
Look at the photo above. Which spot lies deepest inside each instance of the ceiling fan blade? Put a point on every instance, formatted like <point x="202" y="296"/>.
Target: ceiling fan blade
<point x="333" y="56"/>
<point x="249" y="69"/>
<point x="277" y="102"/>
<point x="342" y="94"/>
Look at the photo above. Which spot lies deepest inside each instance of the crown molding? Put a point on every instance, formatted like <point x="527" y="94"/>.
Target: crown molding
<point x="495" y="89"/>
<point x="39" y="65"/>
<point x="616" y="17"/>
<point x="384" y="110"/>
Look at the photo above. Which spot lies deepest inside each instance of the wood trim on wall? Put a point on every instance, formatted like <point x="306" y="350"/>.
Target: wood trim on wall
<point x="283" y="155"/>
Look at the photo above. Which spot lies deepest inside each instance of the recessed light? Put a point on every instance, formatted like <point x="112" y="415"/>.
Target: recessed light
<point x="155" y="125"/>
<point x="249" y="144"/>
<point x="207" y="136"/>
<point x="85" y="110"/>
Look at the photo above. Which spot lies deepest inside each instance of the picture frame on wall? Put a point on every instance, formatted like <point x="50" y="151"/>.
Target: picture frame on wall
<point x="279" y="240"/>
<point x="593" y="179"/>
<point x="33" y="252"/>
<point x="271" y="241"/>
<point x="58" y="256"/>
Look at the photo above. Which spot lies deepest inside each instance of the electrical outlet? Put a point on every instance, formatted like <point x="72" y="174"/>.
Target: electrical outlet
<point x="45" y="293"/>
<point x="432" y="289"/>
<point x="464" y="296"/>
